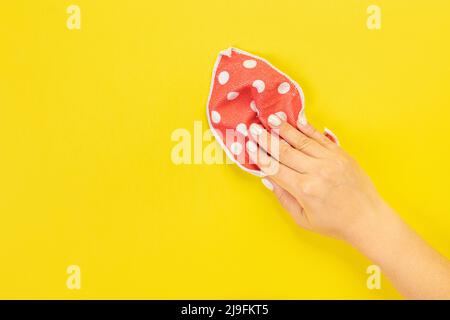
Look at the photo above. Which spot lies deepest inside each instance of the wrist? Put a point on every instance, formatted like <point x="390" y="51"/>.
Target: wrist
<point x="377" y="227"/>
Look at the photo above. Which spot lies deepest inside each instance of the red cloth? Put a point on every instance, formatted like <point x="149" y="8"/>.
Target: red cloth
<point x="246" y="89"/>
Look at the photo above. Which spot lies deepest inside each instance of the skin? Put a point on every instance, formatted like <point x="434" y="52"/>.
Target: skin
<point x="326" y="191"/>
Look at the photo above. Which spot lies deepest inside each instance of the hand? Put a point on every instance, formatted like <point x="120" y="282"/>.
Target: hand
<point x="326" y="191"/>
<point x="315" y="180"/>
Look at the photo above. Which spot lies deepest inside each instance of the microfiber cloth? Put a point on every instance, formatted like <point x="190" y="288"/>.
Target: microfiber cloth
<point x="247" y="89"/>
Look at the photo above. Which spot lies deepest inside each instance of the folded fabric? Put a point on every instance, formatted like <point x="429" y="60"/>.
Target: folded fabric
<point x="246" y="89"/>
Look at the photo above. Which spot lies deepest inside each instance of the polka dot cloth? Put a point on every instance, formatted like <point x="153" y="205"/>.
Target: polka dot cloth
<point x="246" y="89"/>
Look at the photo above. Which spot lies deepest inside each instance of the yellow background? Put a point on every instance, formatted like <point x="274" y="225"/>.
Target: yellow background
<point x="86" y="116"/>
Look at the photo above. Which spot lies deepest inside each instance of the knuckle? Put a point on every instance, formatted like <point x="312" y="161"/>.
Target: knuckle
<point x="273" y="168"/>
<point x="313" y="187"/>
<point x="341" y="163"/>
<point x="335" y="164"/>
<point x="308" y="129"/>
<point x="284" y="148"/>
<point x="305" y="188"/>
<point x="326" y="173"/>
<point x="287" y="154"/>
<point x="301" y="142"/>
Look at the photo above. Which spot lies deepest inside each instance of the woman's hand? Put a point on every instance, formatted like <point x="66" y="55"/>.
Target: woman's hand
<point x="322" y="187"/>
<point x="326" y="191"/>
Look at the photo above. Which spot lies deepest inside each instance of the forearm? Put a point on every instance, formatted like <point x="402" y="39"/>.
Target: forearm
<point x="415" y="269"/>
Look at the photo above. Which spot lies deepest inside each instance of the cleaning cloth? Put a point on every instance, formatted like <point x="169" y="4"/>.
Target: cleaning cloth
<point x="247" y="89"/>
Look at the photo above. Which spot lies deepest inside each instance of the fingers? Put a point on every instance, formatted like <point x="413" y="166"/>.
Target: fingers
<point x="280" y="149"/>
<point x="288" y="202"/>
<point x="278" y="172"/>
<point x="300" y="141"/>
<point x="322" y="138"/>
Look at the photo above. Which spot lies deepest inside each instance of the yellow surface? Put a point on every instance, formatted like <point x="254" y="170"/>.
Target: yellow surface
<point x="86" y="116"/>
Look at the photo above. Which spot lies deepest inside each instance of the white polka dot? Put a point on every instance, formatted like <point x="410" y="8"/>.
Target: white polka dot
<point x="242" y="128"/>
<point x="236" y="148"/>
<point x="281" y="115"/>
<point x="256" y="129"/>
<point x="215" y="116"/>
<point x="223" y="77"/>
<point x="284" y="88"/>
<point x="249" y="64"/>
<point x="253" y="107"/>
<point x="259" y="85"/>
<point x="232" y="95"/>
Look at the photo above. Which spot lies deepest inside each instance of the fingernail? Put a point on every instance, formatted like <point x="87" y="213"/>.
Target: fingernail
<point x="330" y="135"/>
<point x="274" y="120"/>
<point x="302" y="120"/>
<point x="281" y="115"/>
<point x="255" y="129"/>
<point x="251" y="146"/>
<point x="267" y="184"/>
